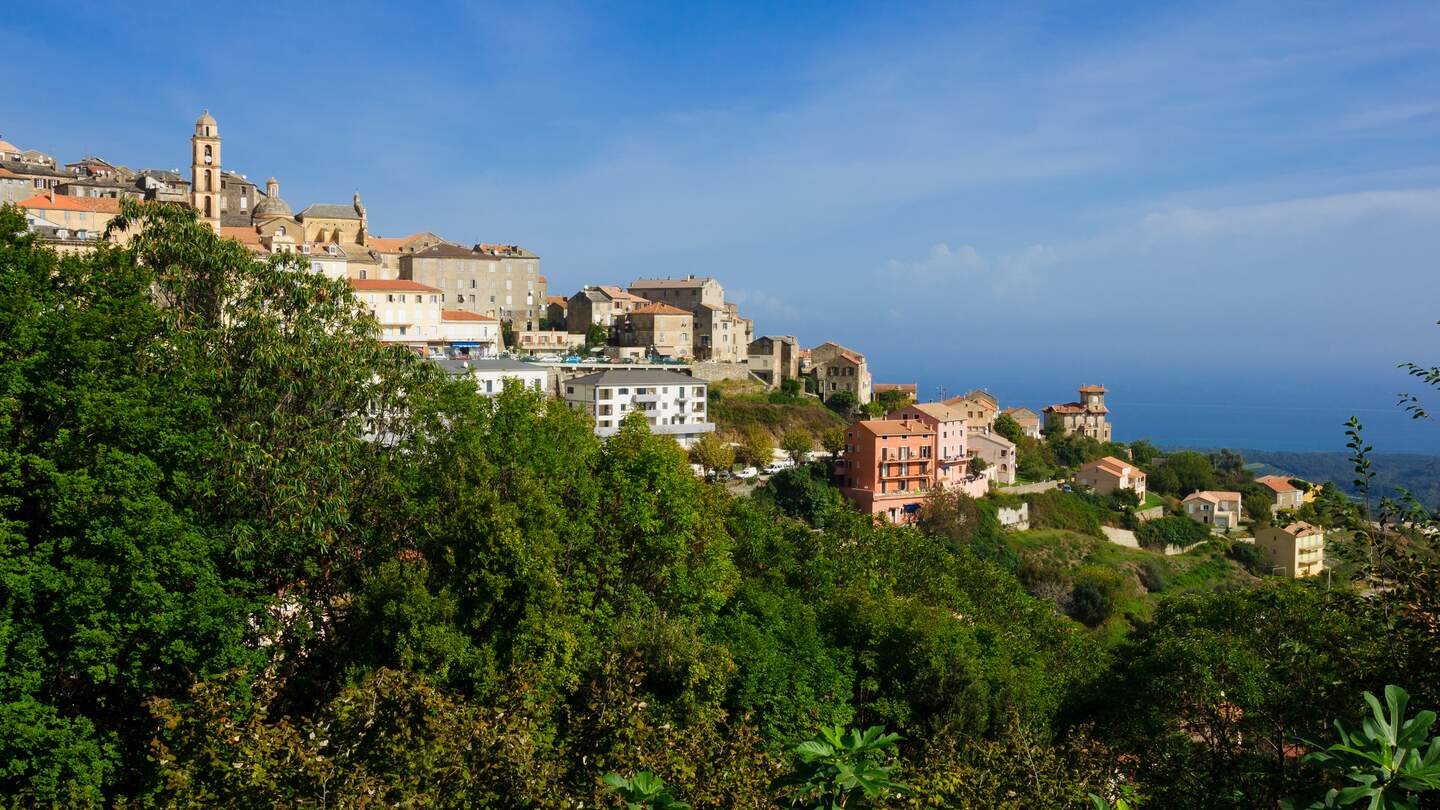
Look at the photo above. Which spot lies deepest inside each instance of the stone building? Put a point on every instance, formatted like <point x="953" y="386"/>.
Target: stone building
<point x="659" y="328"/>
<point x="502" y="281"/>
<point x="1087" y="417"/>
<point x="238" y="196"/>
<point x="605" y="304"/>
<point x="774" y="358"/>
<point x="837" y="368"/>
<point x="205" y="169"/>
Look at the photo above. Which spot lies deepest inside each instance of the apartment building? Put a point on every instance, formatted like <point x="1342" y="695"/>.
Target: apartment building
<point x="1219" y="510"/>
<point x="468" y="333"/>
<point x="502" y="281"/>
<point x="721" y="334"/>
<point x="952" y="445"/>
<point x="688" y="293"/>
<point x="674" y="404"/>
<point x="491" y="376"/>
<point x="1087" y="417"/>
<point x="547" y="341"/>
<point x="1295" y="551"/>
<point x="1109" y="474"/>
<point x="888" y="467"/>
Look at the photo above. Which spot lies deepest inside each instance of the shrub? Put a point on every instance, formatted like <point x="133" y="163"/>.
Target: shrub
<point x="1248" y="555"/>
<point x="1173" y="530"/>
<point x="1153" y="576"/>
<point x="1096" y="593"/>
<point x="1056" y="509"/>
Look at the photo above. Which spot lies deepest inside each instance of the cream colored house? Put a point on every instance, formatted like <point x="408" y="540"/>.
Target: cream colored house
<point x="980" y="407"/>
<point x="471" y="334"/>
<point x="1028" y="420"/>
<point x="1283" y="494"/>
<point x="1219" y="510"/>
<point x="687" y="293"/>
<point x="1109" y="474"/>
<point x="998" y="453"/>
<point x="408" y="313"/>
<point x="1295" y="551"/>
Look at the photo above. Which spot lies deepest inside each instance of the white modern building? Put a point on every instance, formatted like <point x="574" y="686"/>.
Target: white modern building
<point x="674" y="404"/>
<point x="491" y="375"/>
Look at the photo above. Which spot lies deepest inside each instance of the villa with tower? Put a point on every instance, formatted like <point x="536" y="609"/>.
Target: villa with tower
<point x="1086" y="417"/>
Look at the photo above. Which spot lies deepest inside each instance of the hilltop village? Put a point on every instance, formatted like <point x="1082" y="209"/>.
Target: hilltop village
<point x="670" y="348"/>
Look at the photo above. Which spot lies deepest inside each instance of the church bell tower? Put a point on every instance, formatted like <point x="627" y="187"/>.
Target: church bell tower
<point x="205" y="169"/>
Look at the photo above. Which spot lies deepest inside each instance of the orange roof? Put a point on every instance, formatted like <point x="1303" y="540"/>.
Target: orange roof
<point x="938" y="411"/>
<point x="4" y="172"/>
<point x="462" y="315"/>
<point x="1117" y="466"/>
<point x="1068" y="407"/>
<point x="659" y="309"/>
<point x="1277" y="483"/>
<point x="1020" y="411"/>
<point x="1092" y="389"/>
<point x="243" y="234"/>
<point x="893" y="427"/>
<point x="880" y="388"/>
<point x="389" y="244"/>
<point x="63" y="202"/>
<point x="389" y="284"/>
<point x="1213" y="496"/>
<point x="620" y="293"/>
<point x="6" y="146"/>
<point x="852" y="357"/>
<point x="557" y="299"/>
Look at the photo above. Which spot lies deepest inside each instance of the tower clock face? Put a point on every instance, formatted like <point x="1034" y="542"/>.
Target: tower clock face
<point x="1094" y="399"/>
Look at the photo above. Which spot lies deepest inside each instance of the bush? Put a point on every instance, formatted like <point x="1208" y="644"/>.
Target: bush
<point x="802" y="492"/>
<point x="1174" y="530"/>
<point x="1153" y="576"/>
<point x="1057" y="509"/>
<point x="1248" y="555"/>
<point x="1096" y="593"/>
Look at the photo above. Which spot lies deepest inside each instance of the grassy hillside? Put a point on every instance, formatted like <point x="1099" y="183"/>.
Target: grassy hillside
<point x="1052" y="559"/>
<point x="741" y="406"/>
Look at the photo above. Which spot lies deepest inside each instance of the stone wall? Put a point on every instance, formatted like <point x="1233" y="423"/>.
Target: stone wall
<point x="710" y="371"/>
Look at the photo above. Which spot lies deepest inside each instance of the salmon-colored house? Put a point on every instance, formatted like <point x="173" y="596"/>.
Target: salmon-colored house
<point x="889" y="466"/>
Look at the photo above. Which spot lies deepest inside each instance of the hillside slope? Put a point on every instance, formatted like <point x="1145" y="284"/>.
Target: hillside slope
<point x="741" y="406"/>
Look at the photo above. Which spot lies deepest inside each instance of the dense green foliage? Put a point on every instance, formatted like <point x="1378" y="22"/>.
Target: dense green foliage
<point x="251" y="557"/>
<point x="1173" y="530"/>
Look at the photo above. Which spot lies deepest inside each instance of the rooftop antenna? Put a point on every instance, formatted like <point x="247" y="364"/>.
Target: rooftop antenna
<point x="940" y="393"/>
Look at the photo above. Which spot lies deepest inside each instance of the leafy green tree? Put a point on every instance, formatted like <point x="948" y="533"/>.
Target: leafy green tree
<point x="977" y="465"/>
<point x="1097" y="591"/>
<point x="889" y="401"/>
<point x="596" y="334"/>
<point x="755" y="448"/>
<point x="1184" y="472"/>
<point x="1175" y="531"/>
<point x="712" y="453"/>
<point x="833" y="440"/>
<point x="1257" y="507"/>
<point x="803" y="492"/>
<point x="842" y="402"/>
<point x="1006" y="426"/>
<point x="797" y="444"/>
<point x="791" y="387"/>
<point x="836" y="770"/>
<point x="1144" y="453"/>
<point x="643" y="791"/>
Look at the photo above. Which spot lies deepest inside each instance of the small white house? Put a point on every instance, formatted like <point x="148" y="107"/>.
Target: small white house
<point x="491" y="375"/>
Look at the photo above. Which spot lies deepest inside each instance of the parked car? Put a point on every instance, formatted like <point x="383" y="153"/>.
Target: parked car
<point x="573" y="358"/>
<point x="747" y="473"/>
<point x="777" y="466"/>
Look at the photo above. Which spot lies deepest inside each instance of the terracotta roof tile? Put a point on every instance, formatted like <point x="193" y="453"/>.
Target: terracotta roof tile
<point x="1277" y="483"/>
<point x="462" y="315"/>
<point x="389" y="285"/>
<point x="62" y="202"/>
<point x="658" y="309"/>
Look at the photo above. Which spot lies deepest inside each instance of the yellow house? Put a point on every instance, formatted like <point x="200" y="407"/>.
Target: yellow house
<point x="1295" y="551"/>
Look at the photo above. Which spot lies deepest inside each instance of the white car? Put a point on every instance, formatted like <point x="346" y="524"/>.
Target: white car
<point x="777" y="466"/>
<point x="747" y="473"/>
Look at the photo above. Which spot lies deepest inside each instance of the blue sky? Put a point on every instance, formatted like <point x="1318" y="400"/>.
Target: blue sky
<point x="1201" y="205"/>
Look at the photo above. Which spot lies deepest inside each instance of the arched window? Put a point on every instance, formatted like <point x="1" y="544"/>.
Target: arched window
<point x="208" y="214"/>
<point x="208" y="157"/>
<point x="280" y="231"/>
<point x="209" y="180"/>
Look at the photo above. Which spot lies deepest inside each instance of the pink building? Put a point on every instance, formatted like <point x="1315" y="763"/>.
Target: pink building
<point x="952" y="450"/>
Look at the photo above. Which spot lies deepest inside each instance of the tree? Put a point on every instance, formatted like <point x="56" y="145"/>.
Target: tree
<point x="842" y="402"/>
<point x="1257" y="506"/>
<point x="596" y="334"/>
<point x="1005" y="425"/>
<point x="833" y="440"/>
<point x="797" y="444"/>
<point x="892" y="400"/>
<point x="1144" y="453"/>
<point x="755" y="448"/>
<point x="790" y="387"/>
<point x="507" y="335"/>
<point x="713" y="453"/>
<point x="1185" y="472"/>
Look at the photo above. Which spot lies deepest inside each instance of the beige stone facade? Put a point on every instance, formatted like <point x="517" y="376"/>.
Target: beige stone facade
<point x="1087" y="417"/>
<point x="606" y="305"/>
<point x="774" y="358"/>
<point x="408" y="313"/>
<point x="1218" y="510"/>
<point x="837" y="368"/>
<point x="502" y="281"/>
<point x="1109" y="474"/>
<point x="687" y="293"/>
<point x="660" y="328"/>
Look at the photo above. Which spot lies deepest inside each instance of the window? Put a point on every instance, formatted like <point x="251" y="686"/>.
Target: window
<point x="472" y="283"/>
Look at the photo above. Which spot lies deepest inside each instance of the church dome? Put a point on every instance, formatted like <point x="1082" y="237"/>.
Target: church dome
<point x="272" y="206"/>
<point x="206" y="120"/>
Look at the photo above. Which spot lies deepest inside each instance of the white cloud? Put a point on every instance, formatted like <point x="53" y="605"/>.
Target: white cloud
<point x="1289" y="216"/>
<point x="941" y="259"/>
<point x="760" y="302"/>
